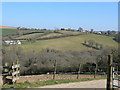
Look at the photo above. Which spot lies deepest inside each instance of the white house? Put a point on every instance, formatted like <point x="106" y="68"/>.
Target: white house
<point x="10" y="42"/>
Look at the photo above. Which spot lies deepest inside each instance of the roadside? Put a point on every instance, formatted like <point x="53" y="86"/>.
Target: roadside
<point x="48" y="82"/>
<point x="86" y="84"/>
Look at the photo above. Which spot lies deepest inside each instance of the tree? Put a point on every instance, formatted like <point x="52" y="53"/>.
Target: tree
<point x="62" y="29"/>
<point x="91" y="30"/>
<point x="80" y="29"/>
<point x="117" y="37"/>
<point x="18" y="28"/>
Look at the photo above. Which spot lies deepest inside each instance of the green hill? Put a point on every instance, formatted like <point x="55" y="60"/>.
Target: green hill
<point x="68" y="43"/>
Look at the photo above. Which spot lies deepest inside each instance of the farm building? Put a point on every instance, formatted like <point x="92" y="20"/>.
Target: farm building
<point x="10" y="42"/>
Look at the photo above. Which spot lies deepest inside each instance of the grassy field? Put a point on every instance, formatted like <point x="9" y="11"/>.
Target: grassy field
<point x="69" y="32"/>
<point x="68" y="43"/>
<point x="63" y="43"/>
<point x="51" y="35"/>
<point x="29" y="36"/>
<point x="8" y="31"/>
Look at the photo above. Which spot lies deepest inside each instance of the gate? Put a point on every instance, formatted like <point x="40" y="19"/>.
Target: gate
<point x="10" y="70"/>
<point x="113" y="74"/>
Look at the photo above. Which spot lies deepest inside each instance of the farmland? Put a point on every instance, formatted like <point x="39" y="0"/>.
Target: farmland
<point x="63" y="43"/>
<point x="68" y="48"/>
<point x="8" y="31"/>
<point x="29" y="36"/>
<point x="66" y="43"/>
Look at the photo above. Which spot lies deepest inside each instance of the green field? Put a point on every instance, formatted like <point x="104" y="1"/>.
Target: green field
<point x="69" y="32"/>
<point x="63" y="43"/>
<point x="8" y="31"/>
<point x="68" y="43"/>
<point x="51" y="35"/>
<point x="29" y="36"/>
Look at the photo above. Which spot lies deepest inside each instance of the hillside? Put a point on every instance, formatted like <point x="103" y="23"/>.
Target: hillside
<point x="60" y="40"/>
<point x="68" y="43"/>
<point x="66" y="48"/>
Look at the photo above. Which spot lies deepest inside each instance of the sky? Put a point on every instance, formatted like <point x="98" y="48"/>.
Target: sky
<point x="52" y="15"/>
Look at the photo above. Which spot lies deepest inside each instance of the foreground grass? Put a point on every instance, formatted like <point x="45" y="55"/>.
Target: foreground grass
<point x="49" y="82"/>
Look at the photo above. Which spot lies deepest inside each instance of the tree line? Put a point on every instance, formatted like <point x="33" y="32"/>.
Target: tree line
<point x="39" y="62"/>
<point x="93" y="44"/>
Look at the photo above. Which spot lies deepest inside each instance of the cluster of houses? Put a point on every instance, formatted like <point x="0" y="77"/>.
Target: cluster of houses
<point x="11" y="42"/>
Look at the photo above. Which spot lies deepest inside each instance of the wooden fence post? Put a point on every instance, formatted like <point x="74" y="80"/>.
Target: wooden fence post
<point x="78" y="71"/>
<point x="55" y="64"/>
<point x="109" y="72"/>
<point x="96" y="67"/>
<point x="5" y="71"/>
<point x="13" y="64"/>
<point x="118" y="76"/>
<point x="15" y="71"/>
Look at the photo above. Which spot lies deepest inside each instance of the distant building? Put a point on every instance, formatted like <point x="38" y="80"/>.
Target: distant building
<point x="97" y="32"/>
<point x="10" y="42"/>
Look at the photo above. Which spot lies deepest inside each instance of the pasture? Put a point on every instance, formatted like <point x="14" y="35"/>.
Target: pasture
<point x="68" y="43"/>
<point x="51" y="35"/>
<point x="8" y="31"/>
<point x="69" y="32"/>
<point x="35" y="35"/>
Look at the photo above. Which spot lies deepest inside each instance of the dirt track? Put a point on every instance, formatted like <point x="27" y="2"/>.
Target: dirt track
<point x="85" y="84"/>
<point x="34" y="78"/>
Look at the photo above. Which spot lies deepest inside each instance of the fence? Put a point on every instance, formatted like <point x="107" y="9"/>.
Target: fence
<point x="115" y="75"/>
<point x="12" y="70"/>
<point x="113" y="78"/>
<point x="94" y="73"/>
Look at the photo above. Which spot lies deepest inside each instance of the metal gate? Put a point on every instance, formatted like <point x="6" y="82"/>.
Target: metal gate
<point x="115" y="75"/>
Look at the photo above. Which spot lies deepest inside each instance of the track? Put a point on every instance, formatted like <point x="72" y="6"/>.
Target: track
<point x="84" y="84"/>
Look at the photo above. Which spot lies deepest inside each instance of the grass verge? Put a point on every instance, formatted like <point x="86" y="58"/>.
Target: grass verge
<point x="49" y="82"/>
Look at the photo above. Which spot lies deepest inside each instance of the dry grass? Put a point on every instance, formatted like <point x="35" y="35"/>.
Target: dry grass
<point x="70" y="32"/>
<point x="29" y="36"/>
<point x="51" y="35"/>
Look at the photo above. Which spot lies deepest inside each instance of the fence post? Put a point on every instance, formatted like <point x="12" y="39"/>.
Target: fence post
<point x="118" y="77"/>
<point x="55" y="64"/>
<point x="17" y="69"/>
<point x="109" y="72"/>
<point x="113" y="75"/>
<point x="96" y="67"/>
<point x="5" y="71"/>
<point x="13" y="64"/>
<point x="119" y="83"/>
<point x="78" y="71"/>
